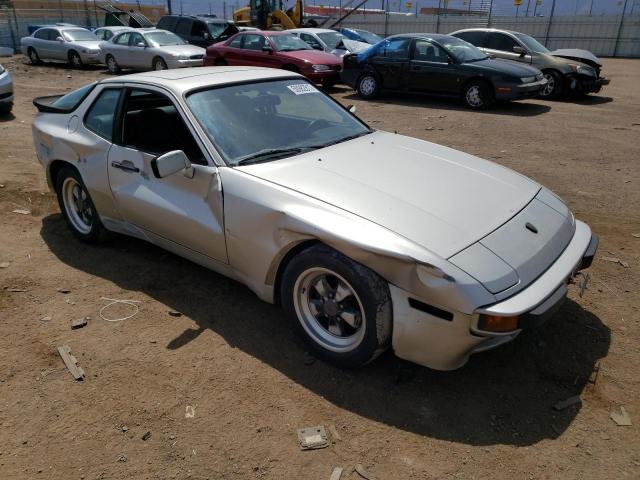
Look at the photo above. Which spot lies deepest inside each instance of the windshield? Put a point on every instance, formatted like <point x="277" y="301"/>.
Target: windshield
<point x="331" y="39"/>
<point x="216" y="29"/>
<point x="463" y="51"/>
<point x="288" y="43"/>
<point x="531" y="43"/>
<point x="270" y="120"/>
<point x="79" y="35"/>
<point x="162" y="39"/>
<point x="369" y="37"/>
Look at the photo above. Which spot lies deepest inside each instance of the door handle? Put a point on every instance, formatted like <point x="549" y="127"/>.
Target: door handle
<point x="127" y="166"/>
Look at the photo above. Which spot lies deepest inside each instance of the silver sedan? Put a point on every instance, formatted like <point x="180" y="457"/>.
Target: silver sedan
<point x="149" y="49"/>
<point x="367" y="239"/>
<point x="75" y="45"/>
<point x="6" y="91"/>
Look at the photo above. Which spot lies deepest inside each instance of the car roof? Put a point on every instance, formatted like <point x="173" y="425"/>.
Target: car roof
<point x="181" y="80"/>
<point x="431" y="36"/>
<point x="487" y="30"/>
<point x="66" y="28"/>
<point x="198" y="17"/>
<point x="313" y="30"/>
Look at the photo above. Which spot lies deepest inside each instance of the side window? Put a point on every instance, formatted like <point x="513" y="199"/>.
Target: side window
<point x="151" y="123"/>
<point x="477" y="38"/>
<point x="308" y="39"/>
<point x="184" y="27"/>
<point x="53" y="34"/>
<point x="253" y="42"/>
<point x="100" y="116"/>
<point x="100" y="34"/>
<point x="135" y="39"/>
<point x="236" y="42"/>
<point x="42" y="34"/>
<point x="123" y="39"/>
<point x="107" y="34"/>
<point x="428" y="52"/>
<point x="500" y="41"/>
<point x="199" y="30"/>
<point x="397" y="48"/>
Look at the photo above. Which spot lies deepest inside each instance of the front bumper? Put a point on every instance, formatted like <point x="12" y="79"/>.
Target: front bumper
<point x="6" y="91"/>
<point x="318" y="77"/>
<point x="90" y="58"/>
<point x="520" y="90"/>
<point x="586" y="84"/>
<point x="446" y="343"/>
<point x="175" y="63"/>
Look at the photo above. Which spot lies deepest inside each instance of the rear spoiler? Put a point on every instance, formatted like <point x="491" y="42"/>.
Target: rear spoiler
<point x="43" y="104"/>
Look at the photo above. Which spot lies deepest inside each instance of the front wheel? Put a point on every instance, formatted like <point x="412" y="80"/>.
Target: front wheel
<point x="34" y="58"/>
<point x="341" y="308"/>
<point x="159" y="64"/>
<point x="75" y="60"/>
<point x="112" y="65"/>
<point x="368" y="86"/>
<point x="478" y="95"/>
<point x="553" y="88"/>
<point x="77" y="207"/>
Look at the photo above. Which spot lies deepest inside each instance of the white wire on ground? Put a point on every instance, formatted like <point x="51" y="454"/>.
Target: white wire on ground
<point x="113" y="301"/>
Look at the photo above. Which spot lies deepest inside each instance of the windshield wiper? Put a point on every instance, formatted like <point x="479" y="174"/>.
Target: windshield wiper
<point x="269" y="154"/>
<point x="476" y="59"/>
<point x="340" y="140"/>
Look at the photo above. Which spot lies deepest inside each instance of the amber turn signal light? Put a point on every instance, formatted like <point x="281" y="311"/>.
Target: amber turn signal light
<point x="495" y="323"/>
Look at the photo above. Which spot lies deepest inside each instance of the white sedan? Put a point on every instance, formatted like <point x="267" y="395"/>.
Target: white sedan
<point x="149" y="49"/>
<point x="367" y="239"/>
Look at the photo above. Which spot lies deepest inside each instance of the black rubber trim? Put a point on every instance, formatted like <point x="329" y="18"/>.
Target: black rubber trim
<point x="587" y="258"/>
<point x="430" y="309"/>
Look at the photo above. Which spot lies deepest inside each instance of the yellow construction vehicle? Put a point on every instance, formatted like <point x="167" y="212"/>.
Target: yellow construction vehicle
<point x="270" y="14"/>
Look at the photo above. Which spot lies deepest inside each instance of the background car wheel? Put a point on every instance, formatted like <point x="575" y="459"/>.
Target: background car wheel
<point x="368" y="86"/>
<point x="553" y="88"/>
<point x="341" y="308"/>
<point x="329" y="82"/>
<point x="75" y="60"/>
<point x="77" y="207"/>
<point x="33" y="56"/>
<point x="112" y="65"/>
<point x="159" y="64"/>
<point x="478" y="95"/>
<point x="221" y="62"/>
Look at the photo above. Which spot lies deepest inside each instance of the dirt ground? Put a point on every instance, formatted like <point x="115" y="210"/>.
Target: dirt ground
<point x="233" y="358"/>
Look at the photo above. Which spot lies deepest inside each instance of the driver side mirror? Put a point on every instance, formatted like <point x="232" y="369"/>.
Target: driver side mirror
<point x="170" y="163"/>
<point x="267" y="48"/>
<point x="519" y="50"/>
<point x="60" y="39"/>
<point x="317" y="46"/>
<point x="141" y="44"/>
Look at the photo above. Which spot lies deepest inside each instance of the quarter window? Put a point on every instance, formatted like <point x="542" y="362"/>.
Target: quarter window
<point x="502" y="42"/>
<point x="99" y="118"/>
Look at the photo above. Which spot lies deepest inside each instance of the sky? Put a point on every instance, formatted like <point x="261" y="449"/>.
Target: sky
<point x="500" y="7"/>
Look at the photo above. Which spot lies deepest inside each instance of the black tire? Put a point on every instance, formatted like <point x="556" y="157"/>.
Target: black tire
<point x="74" y="59"/>
<point x="369" y="293"/>
<point x="478" y="95"/>
<point x="291" y="68"/>
<point x="368" y="86"/>
<point x="112" y="65"/>
<point x="221" y="62"/>
<point x="96" y="231"/>
<point x="554" y="87"/>
<point x="159" y="64"/>
<point x="5" y="108"/>
<point x="329" y="83"/>
<point x="34" y="58"/>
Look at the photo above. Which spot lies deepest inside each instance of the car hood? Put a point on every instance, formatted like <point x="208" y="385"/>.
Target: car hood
<point x="508" y="67"/>
<point x="437" y="197"/>
<point x="90" y="44"/>
<point x="313" y="56"/>
<point x="578" y="55"/>
<point x="182" y="50"/>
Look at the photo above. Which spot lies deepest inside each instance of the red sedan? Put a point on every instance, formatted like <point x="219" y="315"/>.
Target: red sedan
<point x="276" y="50"/>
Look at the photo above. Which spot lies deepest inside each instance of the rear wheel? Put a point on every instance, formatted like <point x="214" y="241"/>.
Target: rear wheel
<point x="77" y="207"/>
<point x="553" y="88"/>
<point x="159" y="64"/>
<point x="341" y="308"/>
<point x="478" y="95"/>
<point x="368" y="86"/>
<point x="75" y="60"/>
<point x="34" y="58"/>
<point x="112" y="65"/>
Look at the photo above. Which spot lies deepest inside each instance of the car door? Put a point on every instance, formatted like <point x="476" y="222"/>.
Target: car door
<point x="233" y="51"/>
<point x="391" y="61"/>
<point x="119" y="48"/>
<point x="501" y="45"/>
<point x="40" y="42"/>
<point x="139" y="51"/>
<point x="57" y="47"/>
<point x="252" y="53"/>
<point x="179" y="211"/>
<point x="432" y="69"/>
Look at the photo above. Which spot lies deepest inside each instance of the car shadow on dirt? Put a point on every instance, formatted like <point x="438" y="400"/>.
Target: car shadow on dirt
<point x="504" y="396"/>
<point x="517" y="108"/>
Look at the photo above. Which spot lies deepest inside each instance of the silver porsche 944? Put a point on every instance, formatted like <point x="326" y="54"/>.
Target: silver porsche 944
<point x="367" y="239"/>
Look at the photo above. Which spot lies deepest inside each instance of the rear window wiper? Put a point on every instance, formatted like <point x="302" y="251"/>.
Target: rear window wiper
<point x="269" y="154"/>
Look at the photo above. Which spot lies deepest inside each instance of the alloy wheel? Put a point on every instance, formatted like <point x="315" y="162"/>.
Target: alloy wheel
<point x="548" y="89"/>
<point x="368" y="86"/>
<point x="329" y="309"/>
<point x="77" y="205"/>
<point x="474" y="96"/>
